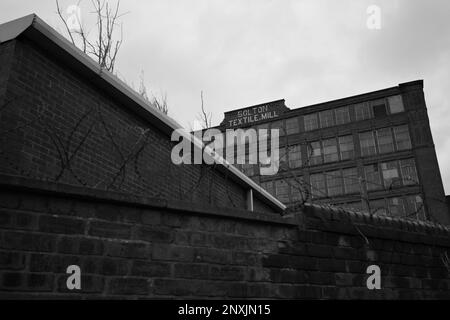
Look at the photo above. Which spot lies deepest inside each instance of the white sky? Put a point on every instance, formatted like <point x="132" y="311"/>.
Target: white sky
<point x="245" y="52"/>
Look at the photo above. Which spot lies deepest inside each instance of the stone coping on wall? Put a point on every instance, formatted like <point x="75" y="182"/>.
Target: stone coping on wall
<point x="12" y="182"/>
<point x="334" y="219"/>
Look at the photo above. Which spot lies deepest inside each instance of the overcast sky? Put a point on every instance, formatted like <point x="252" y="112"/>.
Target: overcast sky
<point x="245" y="52"/>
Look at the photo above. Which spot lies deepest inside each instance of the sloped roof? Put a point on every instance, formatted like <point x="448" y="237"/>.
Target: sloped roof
<point x="44" y="36"/>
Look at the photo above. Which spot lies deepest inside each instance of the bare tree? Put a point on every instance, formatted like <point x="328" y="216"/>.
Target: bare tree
<point x="204" y="115"/>
<point x="106" y="43"/>
<point x="158" y="103"/>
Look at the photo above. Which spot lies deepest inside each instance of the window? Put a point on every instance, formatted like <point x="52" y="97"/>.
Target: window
<point x="402" y="139"/>
<point x="318" y="185"/>
<point x="248" y="169"/>
<point x="420" y="208"/>
<point x="330" y="151"/>
<point x="409" y="173"/>
<point x="351" y="180"/>
<point x="334" y="183"/>
<point x="372" y="177"/>
<point x="414" y="207"/>
<point x="280" y="126"/>
<point x="342" y="115"/>
<point x="266" y="134"/>
<point x="390" y="174"/>
<point x="379" y="108"/>
<point x="326" y="119"/>
<point x="297" y="187"/>
<point x="346" y="147"/>
<point x="314" y="153"/>
<point x="292" y="126"/>
<point x="283" y="158"/>
<point x="362" y="111"/>
<point x="311" y="122"/>
<point x="295" y="156"/>
<point x="385" y="140"/>
<point x="253" y="153"/>
<point x="378" y="207"/>
<point x="367" y="143"/>
<point x="396" y="104"/>
<point x="282" y="190"/>
<point x="396" y="207"/>
<point x="241" y="144"/>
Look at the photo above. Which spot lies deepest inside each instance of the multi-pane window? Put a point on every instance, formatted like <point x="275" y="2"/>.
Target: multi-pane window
<point x="330" y="151"/>
<point x="295" y="156"/>
<point x="283" y="157"/>
<point x="252" y="152"/>
<point x="311" y="122"/>
<point x="263" y="131"/>
<point x="402" y="139"/>
<point x="346" y="147"/>
<point x="297" y="187"/>
<point x="414" y="207"/>
<point x="367" y="143"/>
<point x="379" y="108"/>
<point x="396" y="104"/>
<point x="233" y="146"/>
<point x="292" y="126"/>
<point x="280" y="126"/>
<point x="282" y="190"/>
<point x="396" y="207"/>
<point x="372" y="177"/>
<point x="248" y="169"/>
<point x="242" y="144"/>
<point x="351" y="180"/>
<point x="385" y="140"/>
<point x="326" y="118"/>
<point x="264" y="134"/>
<point x="390" y="174"/>
<point x="409" y="173"/>
<point x="317" y="183"/>
<point x="342" y="115"/>
<point x="315" y="153"/>
<point x="378" y="207"/>
<point x="362" y="111"/>
<point x="334" y="183"/>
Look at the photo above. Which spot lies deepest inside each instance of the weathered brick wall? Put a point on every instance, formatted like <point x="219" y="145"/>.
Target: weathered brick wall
<point x="135" y="247"/>
<point x="56" y="125"/>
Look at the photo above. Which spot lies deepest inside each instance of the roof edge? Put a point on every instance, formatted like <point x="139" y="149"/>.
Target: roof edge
<point x="27" y="26"/>
<point x="12" y="29"/>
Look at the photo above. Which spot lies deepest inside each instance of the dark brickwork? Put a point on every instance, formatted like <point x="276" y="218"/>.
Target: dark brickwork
<point x="145" y="248"/>
<point x="56" y="125"/>
<point x="415" y="116"/>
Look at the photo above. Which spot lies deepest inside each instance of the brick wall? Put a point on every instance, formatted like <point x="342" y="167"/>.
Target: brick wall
<point x="136" y="247"/>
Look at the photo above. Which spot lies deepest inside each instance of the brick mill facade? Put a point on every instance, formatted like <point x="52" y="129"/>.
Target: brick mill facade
<point x="371" y="152"/>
